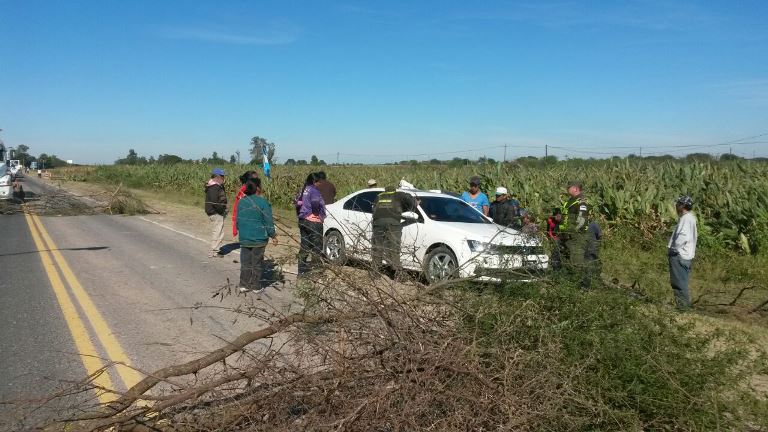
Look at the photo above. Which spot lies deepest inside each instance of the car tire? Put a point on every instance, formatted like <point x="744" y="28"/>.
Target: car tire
<point x="334" y="249"/>
<point x="440" y="264"/>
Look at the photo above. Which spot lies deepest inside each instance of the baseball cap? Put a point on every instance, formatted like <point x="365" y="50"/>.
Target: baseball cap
<point x="501" y="190"/>
<point x="372" y="182"/>
<point x="218" y="171"/>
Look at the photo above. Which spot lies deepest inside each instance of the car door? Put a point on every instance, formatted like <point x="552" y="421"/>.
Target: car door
<point x="359" y="213"/>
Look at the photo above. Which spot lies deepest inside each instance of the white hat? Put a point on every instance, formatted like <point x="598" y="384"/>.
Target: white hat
<point x="501" y="190"/>
<point x="371" y="182"/>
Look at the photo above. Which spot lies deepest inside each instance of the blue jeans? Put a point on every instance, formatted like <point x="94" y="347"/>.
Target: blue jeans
<point x="679" y="274"/>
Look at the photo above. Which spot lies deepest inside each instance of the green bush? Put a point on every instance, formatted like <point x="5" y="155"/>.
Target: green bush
<point x="613" y="363"/>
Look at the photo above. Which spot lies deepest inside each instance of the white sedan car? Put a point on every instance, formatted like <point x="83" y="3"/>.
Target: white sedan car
<point x="444" y="238"/>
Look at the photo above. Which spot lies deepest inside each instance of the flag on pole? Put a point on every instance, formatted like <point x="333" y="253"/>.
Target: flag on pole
<point x="266" y="163"/>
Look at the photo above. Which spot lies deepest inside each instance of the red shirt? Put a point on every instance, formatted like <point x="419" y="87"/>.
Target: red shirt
<point x="240" y="194"/>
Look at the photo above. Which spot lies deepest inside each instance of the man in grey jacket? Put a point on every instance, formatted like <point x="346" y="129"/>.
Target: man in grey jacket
<point x="681" y="250"/>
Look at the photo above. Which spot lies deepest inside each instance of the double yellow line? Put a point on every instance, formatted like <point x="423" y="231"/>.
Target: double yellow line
<point x="95" y="364"/>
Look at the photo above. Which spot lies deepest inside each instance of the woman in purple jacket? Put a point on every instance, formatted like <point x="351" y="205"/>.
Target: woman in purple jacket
<point x="311" y="211"/>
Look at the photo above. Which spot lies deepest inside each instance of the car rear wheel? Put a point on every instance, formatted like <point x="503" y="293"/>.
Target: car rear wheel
<point x="440" y="264"/>
<point x="334" y="248"/>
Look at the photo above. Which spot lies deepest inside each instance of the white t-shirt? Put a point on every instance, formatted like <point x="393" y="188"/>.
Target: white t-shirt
<point x="684" y="237"/>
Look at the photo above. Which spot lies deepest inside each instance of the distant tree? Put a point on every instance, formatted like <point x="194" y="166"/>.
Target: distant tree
<point x="729" y="157"/>
<point x="413" y="162"/>
<point x="549" y="160"/>
<point x="237" y="153"/>
<point x="699" y="157"/>
<point x="257" y="150"/>
<point x="151" y="160"/>
<point x="321" y="162"/>
<point x="216" y="160"/>
<point x="301" y="162"/>
<point x="232" y="159"/>
<point x="169" y="159"/>
<point x="435" y="162"/>
<point x="458" y="162"/>
<point x="290" y="162"/>
<point x="132" y="159"/>
<point x="314" y="161"/>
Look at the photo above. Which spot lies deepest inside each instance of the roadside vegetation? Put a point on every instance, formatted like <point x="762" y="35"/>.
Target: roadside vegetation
<point x="367" y="354"/>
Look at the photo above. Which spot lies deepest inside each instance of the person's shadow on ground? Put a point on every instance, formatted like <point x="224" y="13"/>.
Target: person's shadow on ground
<point x="229" y="248"/>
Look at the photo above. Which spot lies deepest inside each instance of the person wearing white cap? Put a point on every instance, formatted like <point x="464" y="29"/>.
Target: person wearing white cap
<point x="503" y="211"/>
<point x="372" y="183"/>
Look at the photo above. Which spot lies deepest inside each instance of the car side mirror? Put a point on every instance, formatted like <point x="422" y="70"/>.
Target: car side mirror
<point x="410" y="216"/>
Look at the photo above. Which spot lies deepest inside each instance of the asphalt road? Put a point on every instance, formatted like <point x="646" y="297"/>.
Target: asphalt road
<point x="138" y="293"/>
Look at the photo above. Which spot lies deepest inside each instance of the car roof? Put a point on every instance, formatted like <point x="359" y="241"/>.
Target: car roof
<point x="415" y="192"/>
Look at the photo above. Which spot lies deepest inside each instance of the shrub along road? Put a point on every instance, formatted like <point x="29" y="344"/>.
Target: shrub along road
<point x="112" y="288"/>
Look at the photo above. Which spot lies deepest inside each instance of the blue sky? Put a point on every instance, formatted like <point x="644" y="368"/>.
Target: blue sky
<point x="383" y="81"/>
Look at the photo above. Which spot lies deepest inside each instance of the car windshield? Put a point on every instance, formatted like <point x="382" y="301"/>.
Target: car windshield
<point x="450" y="210"/>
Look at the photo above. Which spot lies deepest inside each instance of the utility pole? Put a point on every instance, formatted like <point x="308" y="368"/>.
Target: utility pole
<point x="546" y="150"/>
<point x="337" y="158"/>
<point x="505" y="152"/>
<point x="641" y="151"/>
<point x="730" y="150"/>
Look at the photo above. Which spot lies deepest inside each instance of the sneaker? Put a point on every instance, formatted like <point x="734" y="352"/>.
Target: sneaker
<point x="243" y="289"/>
<point x="259" y="291"/>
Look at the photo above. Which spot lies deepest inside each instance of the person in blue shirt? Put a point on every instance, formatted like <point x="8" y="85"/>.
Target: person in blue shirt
<point x="255" y="227"/>
<point x="478" y="200"/>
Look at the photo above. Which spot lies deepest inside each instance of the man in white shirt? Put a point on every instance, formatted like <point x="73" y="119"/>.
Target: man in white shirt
<point x="682" y="249"/>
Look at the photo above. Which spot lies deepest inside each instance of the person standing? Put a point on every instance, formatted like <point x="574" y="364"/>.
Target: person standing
<point x="681" y="250"/>
<point x="553" y="234"/>
<point x="592" y="264"/>
<point x="311" y="212"/>
<point x="475" y="198"/>
<point x="216" y="209"/>
<point x="255" y="225"/>
<point x="326" y="188"/>
<point x="387" y="231"/>
<point x="240" y="194"/>
<point x="502" y="210"/>
<point x="574" y="231"/>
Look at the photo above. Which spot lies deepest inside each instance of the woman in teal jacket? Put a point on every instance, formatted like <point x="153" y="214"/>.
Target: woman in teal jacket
<point x="255" y="226"/>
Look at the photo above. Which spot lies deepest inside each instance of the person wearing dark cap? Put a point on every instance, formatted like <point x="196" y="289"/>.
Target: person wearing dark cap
<point x="326" y="188"/>
<point x="387" y="231"/>
<point x="681" y="251"/>
<point x="576" y="218"/>
<point x="478" y="200"/>
<point x="216" y="209"/>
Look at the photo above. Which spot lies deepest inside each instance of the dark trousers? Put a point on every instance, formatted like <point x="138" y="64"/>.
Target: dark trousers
<point x="251" y="266"/>
<point x="679" y="275"/>
<point x="311" y="245"/>
<point x="577" y="264"/>
<point x="386" y="243"/>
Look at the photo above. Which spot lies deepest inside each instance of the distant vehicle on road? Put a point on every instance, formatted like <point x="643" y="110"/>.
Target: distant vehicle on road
<point x="6" y="176"/>
<point x="444" y="238"/>
<point x="16" y="167"/>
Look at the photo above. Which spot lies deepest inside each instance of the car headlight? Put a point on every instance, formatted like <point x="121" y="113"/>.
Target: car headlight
<point x="478" y="246"/>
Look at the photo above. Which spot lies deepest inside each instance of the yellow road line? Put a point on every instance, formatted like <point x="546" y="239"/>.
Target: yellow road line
<point x="114" y="350"/>
<point x="88" y="354"/>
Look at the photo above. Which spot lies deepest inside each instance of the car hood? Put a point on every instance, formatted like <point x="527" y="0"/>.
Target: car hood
<point x="488" y="233"/>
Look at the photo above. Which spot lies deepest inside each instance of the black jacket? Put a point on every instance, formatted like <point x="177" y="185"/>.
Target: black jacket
<point x="390" y="205"/>
<point x="215" y="200"/>
<point x="504" y="213"/>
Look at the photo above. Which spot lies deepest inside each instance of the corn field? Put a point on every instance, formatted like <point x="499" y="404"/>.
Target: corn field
<point x="730" y="198"/>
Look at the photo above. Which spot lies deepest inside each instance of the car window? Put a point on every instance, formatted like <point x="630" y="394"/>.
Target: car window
<point x="362" y="202"/>
<point x="450" y="210"/>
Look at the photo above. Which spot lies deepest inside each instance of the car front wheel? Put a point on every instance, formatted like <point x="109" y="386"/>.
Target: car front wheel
<point x="440" y="264"/>
<point x="334" y="248"/>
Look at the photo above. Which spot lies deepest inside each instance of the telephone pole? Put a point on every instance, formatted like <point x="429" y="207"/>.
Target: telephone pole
<point x="546" y="150"/>
<point x="337" y="158"/>
<point x="505" y="153"/>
